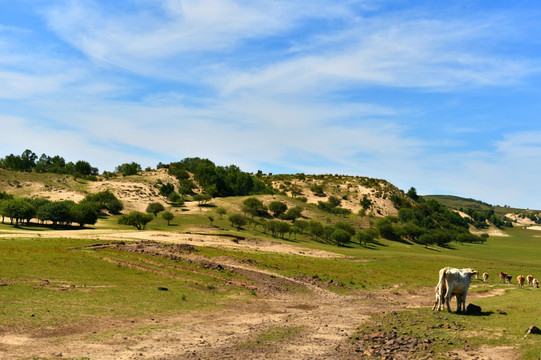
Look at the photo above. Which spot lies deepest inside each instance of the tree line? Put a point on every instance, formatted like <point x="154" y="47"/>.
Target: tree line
<point x="28" y="161"/>
<point x="218" y="181"/>
<point x="21" y="211"/>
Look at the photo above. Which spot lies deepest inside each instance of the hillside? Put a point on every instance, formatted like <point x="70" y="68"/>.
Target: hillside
<point x="137" y="191"/>
<point x="201" y="287"/>
<point x="522" y="217"/>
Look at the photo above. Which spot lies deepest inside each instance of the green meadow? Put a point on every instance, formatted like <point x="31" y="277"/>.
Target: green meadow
<point x="60" y="282"/>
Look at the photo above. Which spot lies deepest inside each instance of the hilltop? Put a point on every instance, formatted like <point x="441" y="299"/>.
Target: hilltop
<point x="137" y="191"/>
<point x="523" y="217"/>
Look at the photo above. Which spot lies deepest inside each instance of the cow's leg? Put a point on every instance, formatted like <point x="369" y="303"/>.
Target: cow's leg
<point x="464" y="301"/>
<point x="448" y="300"/>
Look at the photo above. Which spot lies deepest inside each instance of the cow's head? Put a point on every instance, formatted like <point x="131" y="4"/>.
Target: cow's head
<point x="471" y="272"/>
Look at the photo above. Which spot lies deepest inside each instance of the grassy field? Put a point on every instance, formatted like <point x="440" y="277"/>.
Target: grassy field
<point x="58" y="283"/>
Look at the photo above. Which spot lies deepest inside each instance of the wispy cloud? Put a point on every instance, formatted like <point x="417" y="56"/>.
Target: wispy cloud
<point x="357" y="87"/>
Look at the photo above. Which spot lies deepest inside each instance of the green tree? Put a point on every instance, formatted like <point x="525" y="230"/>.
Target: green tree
<point x="340" y="237"/>
<point x="277" y="208"/>
<point x="136" y="218"/>
<point x="167" y="189"/>
<point x="412" y="194"/>
<point x="84" y="213"/>
<point x="316" y="228"/>
<point x="106" y="200"/>
<point x="292" y="214"/>
<point x="385" y="228"/>
<point x="202" y="198"/>
<point x="237" y="220"/>
<point x="253" y="206"/>
<point x="364" y="238"/>
<point x="175" y="199"/>
<point x="221" y="211"/>
<point x="168" y="216"/>
<point x="128" y="168"/>
<point x="58" y="212"/>
<point x="155" y="208"/>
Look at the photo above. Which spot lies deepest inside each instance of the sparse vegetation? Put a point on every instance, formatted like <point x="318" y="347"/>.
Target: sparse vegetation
<point x="386" y="253"/>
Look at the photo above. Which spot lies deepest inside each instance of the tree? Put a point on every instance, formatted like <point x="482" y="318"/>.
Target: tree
<point x="237" y="220"/>
<point x="211" y="219"/>
<point x="385" y="228"/>
<point x="155" y="208"/>
<point x="85" y="213"/>
<point x="316" y="228"/>
<point x="28" y="160"/>
<point x="128" y="168"/>
<point x="202" y="198"/>
<point x="58" y="212"/>
<point x="18" y="210"/>
<point x="346" y="227"/>
<point x="136" y="218"/>
<point x="252" y="206"/>
<point x="292" y="214"/>
<point x="277" y="208"/>
<point x="412" y="194"/>
<point x="364" y="237"/>
<point x="168" y="216"/>
<point x="221" y="211"/>
<point x="340" y="237"/>
<point x="167" y="189"/>
<point x="106" y="200"/>
<point x="83" y="168"/>
<point x="175" y="199"/>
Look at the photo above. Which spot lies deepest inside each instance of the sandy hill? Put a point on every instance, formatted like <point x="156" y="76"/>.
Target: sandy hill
<point x="137" y="191"/>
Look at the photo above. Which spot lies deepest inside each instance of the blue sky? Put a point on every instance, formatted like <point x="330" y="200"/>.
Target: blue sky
<point x="443" y="96"/>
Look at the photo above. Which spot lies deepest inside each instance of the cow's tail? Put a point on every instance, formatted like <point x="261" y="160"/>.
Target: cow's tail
<point x="442" y="286"/>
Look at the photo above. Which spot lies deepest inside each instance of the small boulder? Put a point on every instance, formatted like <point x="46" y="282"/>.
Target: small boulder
<point x="473" y="309"/>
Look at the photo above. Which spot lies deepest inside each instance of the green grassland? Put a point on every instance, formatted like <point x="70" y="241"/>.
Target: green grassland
<point x="62" y="283"/>
<point x="83" y="286"/>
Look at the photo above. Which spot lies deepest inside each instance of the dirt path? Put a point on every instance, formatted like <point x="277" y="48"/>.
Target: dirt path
<point x="196" y="238"/>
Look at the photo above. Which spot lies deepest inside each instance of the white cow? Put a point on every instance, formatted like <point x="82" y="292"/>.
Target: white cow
<point x="453" y="282"/>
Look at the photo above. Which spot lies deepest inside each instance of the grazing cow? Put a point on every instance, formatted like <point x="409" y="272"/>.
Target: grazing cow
<point x="535" y="284"/>
<point x="503" y="277"/>
<point x="508" y="279"/>
<point x="529" y="278"/>
<point x="520" y="280"/>
<point x="440" y="300"/>
<point x="453" y="282"/>
<point x="485" y="277"/>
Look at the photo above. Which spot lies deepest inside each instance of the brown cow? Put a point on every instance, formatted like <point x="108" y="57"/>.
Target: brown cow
<point x="520" y="280"/>
<point x="535" y="284"/>
<point x="503" y="277"/>
<point x="529" y="278"/>
<point x="485" y="277"/>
